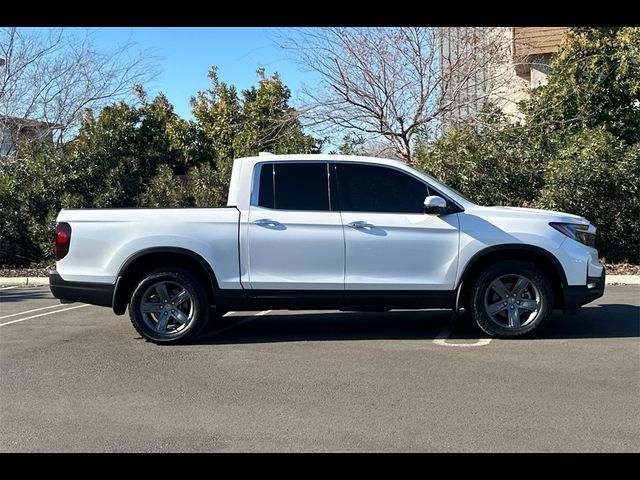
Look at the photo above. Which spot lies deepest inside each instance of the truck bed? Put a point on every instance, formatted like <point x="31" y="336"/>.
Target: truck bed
<point x="102" y="240"/>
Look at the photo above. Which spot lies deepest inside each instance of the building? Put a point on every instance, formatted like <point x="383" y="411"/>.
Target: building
<point x="508" y="62"/>
<point x="532" y="49"/>
<point x="13" y="128"/>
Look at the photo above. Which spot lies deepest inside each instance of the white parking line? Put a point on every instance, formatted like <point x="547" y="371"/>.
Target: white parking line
<point x="8" y="288"/>
<point x="31" y="311"/>
<point x="443" y="336"/>
<point x="42" y="315"/>
<point x="481" y="342"/>
<point x="239" y="322"/>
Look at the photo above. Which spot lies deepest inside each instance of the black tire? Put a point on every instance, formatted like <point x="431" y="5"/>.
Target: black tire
<point x="464" y="316"/>
<point x="520" y="309"/>
<point x="189" y="316"/>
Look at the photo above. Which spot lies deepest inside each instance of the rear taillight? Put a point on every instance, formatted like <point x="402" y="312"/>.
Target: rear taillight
<point x="63" y="239"/>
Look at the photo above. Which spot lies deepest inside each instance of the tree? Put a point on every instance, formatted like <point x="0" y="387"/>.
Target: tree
<point x="352" y="145"/>
<point x="495" y="165"/>
<point x="258" y="120"/>
<point x="54" y="74"/>
<point x="595" y="84"/>
<point x="30" y="192"/>
<point x="116" y="154"/>
<point x="588" y="117"/>
<point x="595" y="175"/>
<point x="109" y="164"/>
<point x="229" y="126"/>
<point x="391" y="82"/>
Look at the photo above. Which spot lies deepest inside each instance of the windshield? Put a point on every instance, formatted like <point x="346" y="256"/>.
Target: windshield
<point x="440" y="185"/>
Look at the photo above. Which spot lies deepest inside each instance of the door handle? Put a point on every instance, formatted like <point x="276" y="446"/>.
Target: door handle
<point x="265" y="222"/>
<point x="364" y="225"/>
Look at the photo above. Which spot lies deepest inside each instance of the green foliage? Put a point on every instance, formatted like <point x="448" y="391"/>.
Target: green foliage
<point x="209" y="189"/>
<point x="595" y="83"/>
<point x="203" y="186"/>
<point x="228" y="126"/>
<point x="115" y="154"/>
<point x="261" y="120"/>
<point x="352" y="145"/>
<point x="596" y="176"/>
<point x="496" y="166"/>
<point x="218" y="115"/>
<point x="143" y="155"/>
<point x="165" y="190"/>
<point x="29" y="199"/>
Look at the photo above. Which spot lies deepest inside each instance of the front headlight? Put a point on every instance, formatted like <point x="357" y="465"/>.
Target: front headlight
<point x="579" y="232"/>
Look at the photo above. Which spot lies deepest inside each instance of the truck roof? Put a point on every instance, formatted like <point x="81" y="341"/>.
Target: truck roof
<point x="265" y="156"/>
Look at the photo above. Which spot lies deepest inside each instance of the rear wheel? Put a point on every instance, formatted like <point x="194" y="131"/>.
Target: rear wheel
<point x="511" y="299"/>
<point x="169" y="306"/>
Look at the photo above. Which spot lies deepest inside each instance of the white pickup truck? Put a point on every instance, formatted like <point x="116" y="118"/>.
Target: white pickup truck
<point x="327" y="232"/>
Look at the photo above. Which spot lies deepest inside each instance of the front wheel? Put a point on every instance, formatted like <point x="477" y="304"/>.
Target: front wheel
<point x="168" y="306"/>
<point x="511" y="299"/>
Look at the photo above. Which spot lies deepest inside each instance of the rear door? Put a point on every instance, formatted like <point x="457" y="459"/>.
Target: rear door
<point x="391" y="244"/>
<point x="295" y="240"/>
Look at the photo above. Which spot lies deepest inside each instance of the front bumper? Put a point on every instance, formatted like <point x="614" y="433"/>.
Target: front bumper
<point x="576" y="296"/>
<point x="92" y="293"/>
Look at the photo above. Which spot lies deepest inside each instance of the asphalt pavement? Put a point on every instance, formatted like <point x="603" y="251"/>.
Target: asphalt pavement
<point x="78" y="378"/>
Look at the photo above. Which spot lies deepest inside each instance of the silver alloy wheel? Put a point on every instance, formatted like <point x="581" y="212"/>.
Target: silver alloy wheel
<point x="512" y="301"/>
<point x="167" y="307"/>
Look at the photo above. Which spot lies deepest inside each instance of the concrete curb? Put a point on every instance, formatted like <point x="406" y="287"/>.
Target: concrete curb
<point x="43" y="281"/>
<point x="623" y="280"/>
<point x="24" y="281"/>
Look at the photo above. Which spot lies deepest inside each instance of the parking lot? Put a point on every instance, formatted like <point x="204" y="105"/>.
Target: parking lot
<point x="78" y="378"/>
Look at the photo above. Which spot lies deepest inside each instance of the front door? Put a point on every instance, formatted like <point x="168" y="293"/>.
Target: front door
<point x="295" y="241"/>
<point x="390" y="243"/>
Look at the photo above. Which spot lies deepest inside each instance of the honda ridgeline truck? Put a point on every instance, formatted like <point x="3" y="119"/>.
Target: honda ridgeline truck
<point x="327" y="232"/>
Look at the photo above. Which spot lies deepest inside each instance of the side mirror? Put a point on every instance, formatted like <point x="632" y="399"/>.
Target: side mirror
<point x="434" y="205"/>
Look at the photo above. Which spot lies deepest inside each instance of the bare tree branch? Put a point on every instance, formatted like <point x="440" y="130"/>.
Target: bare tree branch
<point x="391" y="82"/>
<point x="53" y="75"/>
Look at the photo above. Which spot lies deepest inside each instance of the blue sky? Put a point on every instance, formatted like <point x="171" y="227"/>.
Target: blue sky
<point x="185" y="55"/>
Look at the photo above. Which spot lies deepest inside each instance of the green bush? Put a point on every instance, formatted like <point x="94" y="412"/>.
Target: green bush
<point x="596" y="176"/>
<point x="493" y="166"/>
<point x="202" y="186"/>
<point x="31" y="191"/>
<point x="589" y="172"/>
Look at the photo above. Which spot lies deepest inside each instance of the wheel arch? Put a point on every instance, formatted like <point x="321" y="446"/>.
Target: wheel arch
<point x="541" y="258"/>
<point x="144" y="260"/>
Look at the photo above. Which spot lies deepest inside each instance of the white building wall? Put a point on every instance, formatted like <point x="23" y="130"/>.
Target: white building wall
<point x="540" y="70"/>
<point x="510" y="87"/>
<point x="506" y="82"/>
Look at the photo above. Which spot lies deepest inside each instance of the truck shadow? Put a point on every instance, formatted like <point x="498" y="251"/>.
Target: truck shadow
<point x="609" y="320"/>
<point x="601" y="321"/>
<point x="333" y="326"/>
<point x="13" y="296"/>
